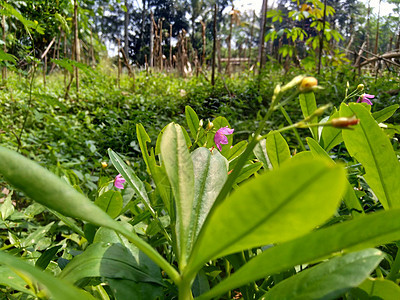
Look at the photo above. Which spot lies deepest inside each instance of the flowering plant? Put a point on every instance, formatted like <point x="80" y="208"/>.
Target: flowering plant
<point x="247" y="212"/>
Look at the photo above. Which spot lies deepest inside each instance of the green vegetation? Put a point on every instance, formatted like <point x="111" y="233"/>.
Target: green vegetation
<point x="158" y="182"/>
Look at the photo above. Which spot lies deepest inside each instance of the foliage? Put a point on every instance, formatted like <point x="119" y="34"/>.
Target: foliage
<point x="182" y="208"/>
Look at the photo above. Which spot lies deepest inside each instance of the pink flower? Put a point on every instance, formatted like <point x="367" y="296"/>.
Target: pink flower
<point x="119" y="181"/>
<point x="366" y="98"/>
<point x="220" y="137"/>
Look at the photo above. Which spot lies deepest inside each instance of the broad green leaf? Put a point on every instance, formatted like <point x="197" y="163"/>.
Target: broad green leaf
<point x="247" y="171"/>
<point x="384" y="114"/>
<point x="157" y="172"/>
<point x="274" y="207"/>
<point x="331" y="136"/>
<point x="51" y="191"/>
<point x="277" y="149"/>
<point x="377" y="288"/>
<point x="364" y="232"/>
<point x="111" y="202"/>
<point x="210" y="174"/>
<point x="372" y="148"/>
<point x="260" y="151"/>
<point x="179" y="168"/>
<point x="11" y="279"/>
<point x="236" y="150"/>
<point x="110" y="260"/>
<point x="192" y="120"/>
<point x="131" y="178"/>
<point x="128" y="289"/>
<point x="330" y="279"/>
<point x="7" y="208"/>
<point x="43" y="261"/>
<point x="58" y="289"/>
<point x="349" y="197"/>
<point x="308" y="106"/>
<point x="106" y="235"/>
<point x="48" y="189"/>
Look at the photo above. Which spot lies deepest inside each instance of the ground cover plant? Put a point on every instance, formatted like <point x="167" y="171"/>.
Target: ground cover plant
<point x="289" y="238"/>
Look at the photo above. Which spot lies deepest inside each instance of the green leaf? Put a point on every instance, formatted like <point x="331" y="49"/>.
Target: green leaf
<point x="179" y="168"/>
<point x="210" y="174"/>
<point x="58" y="289"/>
<point x="260" y="151"/>
<point x="131" y="178"/>
<point x="7" y="208"/>
<point x="128" y="289"/>
<point x="349" y="197"/>
<point x="7" y="57"/>
<point x="46" y="257"/>
<point x="372" y="148"/>
<point x="111" y="202"/>
<point x="247" y="171"/>
<point x="266" y="209"/>
<point x="110" y="260"/>
<point x="9" y="278"/>
<point x="192" y="120"/>
<point x="51" y="191"/>
<point x="364" y="232"/>
<point x="308" y="106"/>
<point x="36" y="236"/>
<point x="277" y="149"/>
<point x="384" y="114"/>
<point x="376" y="288"/>
<point x="143" y="138"/>
<point x="331" y="136"/>
<point x="236" y="150"/>
<point x="330" y="279"/>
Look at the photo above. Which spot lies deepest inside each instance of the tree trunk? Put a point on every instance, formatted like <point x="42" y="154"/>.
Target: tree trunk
<point x="251" y="38"/>
<point x="203" y="34"/>
<point x="170" y="46"/>
<point x="377" y="30"/>
<point x="119" y="64"/>
<point x="4" y="70"/>
<point x="77" y="46"/>
<point x="214" y="45"/>
<point x="321" y="39"/>
<point x="368" y="20"/>
<point x="228" y="65"/>
<point x="126" y="25"/>
<point x="262" y="34"/>
<point x="151" y="40"/>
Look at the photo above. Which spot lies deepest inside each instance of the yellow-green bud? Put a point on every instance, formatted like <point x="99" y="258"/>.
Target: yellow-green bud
<point x="104" y="164"/>
<point x="210" y="125"/>
<point x="308" y="84"/>
<point x="360" y="87"/>
<point x="201" y="123"/>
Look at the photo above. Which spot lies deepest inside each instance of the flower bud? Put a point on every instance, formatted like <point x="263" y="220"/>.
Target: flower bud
<point x="210" y="125"/>
<point x="294" y="82"/>
<point x="344" y="122"/>
<point x="360" y="87"/>
<point x="104" y="164"/>
<point x="308" y="84"/>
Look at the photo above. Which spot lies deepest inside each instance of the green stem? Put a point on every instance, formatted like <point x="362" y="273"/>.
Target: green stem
<point x="185" y="291"/>
<point x="296" y="133"/>
<point x="394" y="271"/>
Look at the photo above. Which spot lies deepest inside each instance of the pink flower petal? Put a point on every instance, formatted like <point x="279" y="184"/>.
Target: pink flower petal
<point x="119" y="181"/>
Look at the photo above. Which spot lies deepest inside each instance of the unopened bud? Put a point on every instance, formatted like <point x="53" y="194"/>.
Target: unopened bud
<point x="104" y="164"/>
<point x="308" y="84"/>
<point x="344" y="122"/>
<point x="201" y="123"/>
<point x="294" y="82"/>
<point x="320" y="110"/>
<point x="210" y="125"/>
<point x="360" y="87"/>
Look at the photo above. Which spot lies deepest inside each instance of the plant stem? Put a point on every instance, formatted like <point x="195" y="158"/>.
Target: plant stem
<point x="296" y="133"/>
<point x="394" y="271"/>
